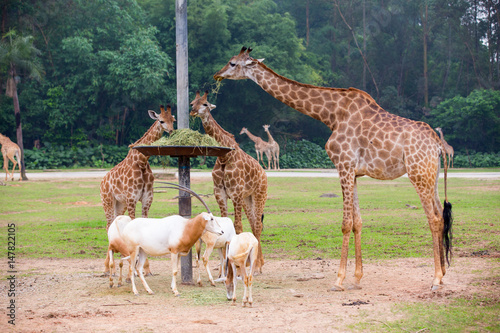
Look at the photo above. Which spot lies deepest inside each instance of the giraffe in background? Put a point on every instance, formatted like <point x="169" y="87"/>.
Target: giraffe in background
<point x="449" y="149"/>
<point x="236" y="175"/>
<point x="274" y="149"/>
<point x="9" y="151"/>
<point x="261" y="147"/>
<point x="366" y="140"/>
<point x="131" y="180"/>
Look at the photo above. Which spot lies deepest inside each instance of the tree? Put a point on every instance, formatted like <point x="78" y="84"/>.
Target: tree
<point x="18" y="55"/>
<point x="471" y="122"/>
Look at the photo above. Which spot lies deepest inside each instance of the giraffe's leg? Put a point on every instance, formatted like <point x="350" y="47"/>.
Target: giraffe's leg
<point x="147" y="192"/>
<point x="269" y="160"/>
<point x="278" y="158"/>
<point x="254" y="215"/>
<point x="15" y="162"/>
<point x="219" y="190"/>
<point x="357" y="226"/>
<point x="262" y="159"/>
<point x="238" y="206"/>
<point x="426" y="190"/>
<point x="347" y="184"/>
<point x="6" y="166"/>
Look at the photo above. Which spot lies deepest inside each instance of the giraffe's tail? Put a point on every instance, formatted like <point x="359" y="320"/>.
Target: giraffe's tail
<point x="447" y="232"/>
<point x="447" y="214"/>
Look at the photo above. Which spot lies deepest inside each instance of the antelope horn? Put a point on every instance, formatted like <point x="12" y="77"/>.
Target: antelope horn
<point x="185" y="189"/>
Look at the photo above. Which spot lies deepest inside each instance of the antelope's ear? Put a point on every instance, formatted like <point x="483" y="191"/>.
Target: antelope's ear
<point x="153" y="114"/>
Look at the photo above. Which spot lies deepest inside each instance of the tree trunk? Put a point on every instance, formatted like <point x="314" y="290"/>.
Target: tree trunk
<point x="307" y="23"/>
<point x="364" y="44"/>
<point x="19" y="128"/>
<point x="426" y="80"/>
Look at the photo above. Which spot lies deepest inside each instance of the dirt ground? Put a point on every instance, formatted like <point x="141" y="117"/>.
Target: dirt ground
<point x="62" y="295"/>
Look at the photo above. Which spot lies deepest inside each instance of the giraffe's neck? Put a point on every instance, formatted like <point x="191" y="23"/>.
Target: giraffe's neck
<point x="328" y="105"/>
<point x="152" y="134"/>
<point x="271" y="139"/>
<point x="254" y="138"/>
<point x="213" y="129"/>
<point x="441" y="135"/>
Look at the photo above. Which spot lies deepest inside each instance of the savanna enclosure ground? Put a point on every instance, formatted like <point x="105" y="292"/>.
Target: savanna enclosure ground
<point x="61" y="242"/>
<point x="71" y="295"/>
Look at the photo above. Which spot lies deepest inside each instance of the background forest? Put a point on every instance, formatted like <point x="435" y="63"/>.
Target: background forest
<point x="86" y="72"/>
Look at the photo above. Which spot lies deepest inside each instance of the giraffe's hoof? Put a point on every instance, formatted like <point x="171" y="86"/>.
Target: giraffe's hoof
<point x="336" y="288"/>
<point x="354" y="287"/>
<point x="436" y="287"/>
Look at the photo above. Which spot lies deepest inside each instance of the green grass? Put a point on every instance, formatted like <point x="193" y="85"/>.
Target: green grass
<point x="462" y="315"/>
<point x="65" y="219"/>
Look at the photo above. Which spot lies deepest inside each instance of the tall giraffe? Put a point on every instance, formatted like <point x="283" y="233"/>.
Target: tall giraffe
<point x="236" y="175"/>
<point x="261" y="147"/>
<point x="9" y="151"/>
<point x="131" y="180"/>
<point x="449" y="149"/>
<point x="274" y="149"/>
<point x="366" y="141"/>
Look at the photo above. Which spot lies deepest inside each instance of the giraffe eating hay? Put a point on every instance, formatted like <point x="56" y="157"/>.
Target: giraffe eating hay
<point x="9" y="151"/>
<point x="131" y="180"/>
<point x="274" y="149"/>
<point x="261" y="147"/>
<point x="236" y="175"/>
<point x="449" y="149"/>
<point x="366" y="140"/>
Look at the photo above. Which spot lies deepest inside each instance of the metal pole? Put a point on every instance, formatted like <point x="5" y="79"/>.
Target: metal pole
<point x="181" y="39"/>
<point x="185" y="211"/>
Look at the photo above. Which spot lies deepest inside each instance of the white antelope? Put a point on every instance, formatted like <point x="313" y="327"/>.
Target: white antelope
<point x="242" y="251"/>
<point x="156" y="237"/>
<point x="215" y="242"/>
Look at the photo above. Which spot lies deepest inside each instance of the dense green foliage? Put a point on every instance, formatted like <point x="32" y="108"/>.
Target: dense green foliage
<point x="108" y="61"/>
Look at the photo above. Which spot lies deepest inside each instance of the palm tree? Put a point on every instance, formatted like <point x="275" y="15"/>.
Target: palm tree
<point x="18" y="55"/>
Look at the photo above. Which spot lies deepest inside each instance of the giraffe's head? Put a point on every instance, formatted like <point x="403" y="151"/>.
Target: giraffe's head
<point x="165" y="118"/>
<point x="239" y="67"/>
<point x="243" y="130"/>
<point x="266" y="127"/>
<point x="438" y="129"/>
<point x="200" y="107"/>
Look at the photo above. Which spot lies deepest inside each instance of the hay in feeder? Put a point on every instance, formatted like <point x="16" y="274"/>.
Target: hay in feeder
<point x="187" y="137"/>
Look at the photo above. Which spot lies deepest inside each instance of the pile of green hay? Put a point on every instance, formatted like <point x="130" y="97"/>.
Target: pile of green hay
<point x="187" y="137"/>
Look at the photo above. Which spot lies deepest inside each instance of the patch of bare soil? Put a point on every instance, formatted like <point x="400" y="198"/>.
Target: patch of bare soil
<point x="55" y="295"/>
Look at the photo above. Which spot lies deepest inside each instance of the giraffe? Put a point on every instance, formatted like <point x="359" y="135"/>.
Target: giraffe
<point x="9" y="151"/>
<point x="449" y="149"/>
<point x="261" y="147"/>
<point x="236" y="175"/>
<point x="274" y="149"/>
<point x="131" y="180"/>
<point x="366" y="140"/>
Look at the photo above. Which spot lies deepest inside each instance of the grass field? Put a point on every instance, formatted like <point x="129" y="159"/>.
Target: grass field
<point x="298" y="221"/>
<point x="64" y="219"/>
